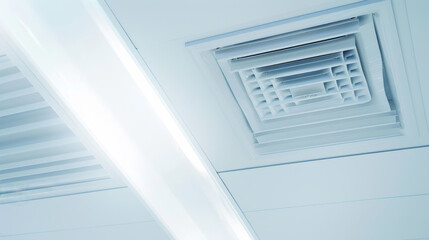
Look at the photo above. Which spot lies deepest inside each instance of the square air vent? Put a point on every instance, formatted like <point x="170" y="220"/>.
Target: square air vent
<point x="314" y="86"/>
<point x="313" y="76"/>
<point x="317" y="86"/>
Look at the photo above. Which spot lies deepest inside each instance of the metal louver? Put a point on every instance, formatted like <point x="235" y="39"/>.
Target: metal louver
<point x="303" y="79"/>
<point x="312" y="87"/>
<point x="39" y="155"/>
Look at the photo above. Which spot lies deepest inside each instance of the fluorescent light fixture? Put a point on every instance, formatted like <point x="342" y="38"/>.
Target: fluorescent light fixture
<point x="86" y="65"/>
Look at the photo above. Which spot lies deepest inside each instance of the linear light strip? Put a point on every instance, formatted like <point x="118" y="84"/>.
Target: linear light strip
<point x="76" y="49"/>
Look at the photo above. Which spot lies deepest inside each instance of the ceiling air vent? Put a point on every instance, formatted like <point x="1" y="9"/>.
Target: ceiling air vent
<point x="313" y="87"/>
<point x="39" y="156"/>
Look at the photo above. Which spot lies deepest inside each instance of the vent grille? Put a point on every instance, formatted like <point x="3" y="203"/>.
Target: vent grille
<point x="39" y="156"/>
<point x="312" y="77"/>
<point x="313" y="87"/>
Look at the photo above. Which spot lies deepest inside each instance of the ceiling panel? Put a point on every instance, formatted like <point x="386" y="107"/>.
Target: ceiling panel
<point x="170" y="20"/>
<point x="391" y="218"/>
<point x="417" y="15"/>
<point x="361" y="177"/>
<point x="110" y="214"/>
<point x="130" y="231"/>
<point x="94" y="209"/>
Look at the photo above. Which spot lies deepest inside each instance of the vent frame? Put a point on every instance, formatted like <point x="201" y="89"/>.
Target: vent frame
<point x="246" y="103"/>
<point x="345" y="35"/>
<point x="414" y="127"/>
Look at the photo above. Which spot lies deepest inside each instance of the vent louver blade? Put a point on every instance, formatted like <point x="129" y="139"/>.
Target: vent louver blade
<point x="39" y="156"/>
<point x="311" y="87"/>
<point x="304" y="79"/>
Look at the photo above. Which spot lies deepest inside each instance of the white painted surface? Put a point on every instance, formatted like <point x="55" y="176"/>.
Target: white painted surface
<point x="392" y="219"/>
<point x="169" y="20"/>
<point x="418" y="21"/>
<point x="369" y="176"/>
<point x="403" y="24"/>
<point x="74" y="212"/>
<point x="132" y="231"/>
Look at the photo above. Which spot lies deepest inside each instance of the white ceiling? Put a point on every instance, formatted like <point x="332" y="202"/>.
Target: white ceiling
<point x="160" y="30"/>
<point x="149" y="22"/>
<point x="375" y="196"/>
<point x="106" y="215"/>
<point x="282" y="201"/>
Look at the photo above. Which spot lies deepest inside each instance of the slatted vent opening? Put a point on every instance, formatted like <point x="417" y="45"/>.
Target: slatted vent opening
<point x="307" y="78"/>
<point x="39" y="155"/>
<point x="312" y="87"/>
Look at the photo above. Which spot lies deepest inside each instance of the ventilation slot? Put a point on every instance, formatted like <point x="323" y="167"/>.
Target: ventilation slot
<point x="304" y="79"/>
<point x="311" y="86"/>
<point x="39" y="156"/>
